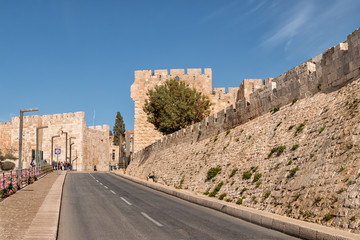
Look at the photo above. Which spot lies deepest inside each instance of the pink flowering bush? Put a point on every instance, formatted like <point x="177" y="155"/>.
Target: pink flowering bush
<point x="10" y="182"/>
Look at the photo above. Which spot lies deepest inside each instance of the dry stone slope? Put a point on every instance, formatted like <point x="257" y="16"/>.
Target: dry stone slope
<point x="316" y="178"/>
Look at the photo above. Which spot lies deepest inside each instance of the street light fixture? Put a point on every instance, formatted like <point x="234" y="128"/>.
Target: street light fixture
<point x="37" y="143"/>
<point x="62" y="132"/>
<point x="52" y="147"/>
<point x="70" y="147"/>
<point x="21" y="130"/>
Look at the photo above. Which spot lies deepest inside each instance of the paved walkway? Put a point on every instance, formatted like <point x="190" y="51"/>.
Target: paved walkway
<point x="18" y="211"/>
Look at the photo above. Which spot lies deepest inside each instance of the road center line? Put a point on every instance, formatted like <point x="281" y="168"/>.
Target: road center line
<point x="152" y="220"/>
<point x="127" y="202"/>
<point x="97" y="180"/>
<point x="101" y="184"/>
<point x="112" y="191"/>
<point x="105" y="186"/>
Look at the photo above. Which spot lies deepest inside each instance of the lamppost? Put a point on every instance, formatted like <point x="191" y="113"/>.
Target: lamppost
<point x="52" y="147"/>
<point x="66" y="134"/>
<point x="21" y="130"/>
<point x="70" y="148"/>
<point x="37" y="144"/>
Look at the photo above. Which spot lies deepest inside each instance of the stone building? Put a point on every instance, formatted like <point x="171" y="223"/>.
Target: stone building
<point x="90" y="144"/>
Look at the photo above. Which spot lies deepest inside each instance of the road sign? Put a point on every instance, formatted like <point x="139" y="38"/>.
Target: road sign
<point x="57" y="151"/>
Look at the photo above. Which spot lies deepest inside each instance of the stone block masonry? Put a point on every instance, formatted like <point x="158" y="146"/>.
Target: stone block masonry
<point x="326" y="72"/>
<point x="144" y="133"/>
<point x="91" y="146"/>
<point x="315" y="177"/>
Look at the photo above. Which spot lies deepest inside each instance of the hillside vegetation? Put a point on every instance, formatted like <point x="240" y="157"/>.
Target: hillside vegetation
<point x="301" y="161"/>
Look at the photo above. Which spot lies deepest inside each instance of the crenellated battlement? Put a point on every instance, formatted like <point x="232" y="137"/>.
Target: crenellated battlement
<point x="326" y="72"/>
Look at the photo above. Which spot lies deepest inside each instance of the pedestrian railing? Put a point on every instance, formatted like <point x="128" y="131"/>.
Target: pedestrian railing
<point x="12" y="181"/>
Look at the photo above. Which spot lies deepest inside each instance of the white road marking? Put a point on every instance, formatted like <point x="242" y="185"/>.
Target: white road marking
<point x="97" y="180"/>
<point x="152" y="220"/>
<point x="127" y="202"/>
<point x="105" y="186"/>
<point x="101" y="184"/>
<point x="112" y="191"/>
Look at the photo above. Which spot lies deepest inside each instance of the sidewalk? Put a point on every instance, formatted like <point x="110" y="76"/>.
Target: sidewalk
<point x="18" y="211"/>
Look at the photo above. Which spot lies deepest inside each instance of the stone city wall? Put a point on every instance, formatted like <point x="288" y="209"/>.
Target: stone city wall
<point x="144" y="132"/>
<point x="72" y="123"/>
<point x="96" y="148"/>
<point x="327" y="72"/>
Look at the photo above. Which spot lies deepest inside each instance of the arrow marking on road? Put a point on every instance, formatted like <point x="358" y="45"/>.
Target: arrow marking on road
<point x="152" y="220"/>
<point x="127" y="202"/>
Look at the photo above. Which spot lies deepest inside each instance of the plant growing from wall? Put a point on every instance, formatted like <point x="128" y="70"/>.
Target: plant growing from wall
<point x="174" y="105"/>
<point x="233" y="172"/>
<point x="216" y="190"/>
<point x="213" y="172"/>
<point x="246" y="175"/>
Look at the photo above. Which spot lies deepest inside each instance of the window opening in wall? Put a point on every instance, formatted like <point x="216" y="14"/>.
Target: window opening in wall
<point x="219" y="95"/>
<point x="113" y="154"/>
<point x="194" y="77"/>
<point x="177" y="77"/>
<point x="253" y="89"/>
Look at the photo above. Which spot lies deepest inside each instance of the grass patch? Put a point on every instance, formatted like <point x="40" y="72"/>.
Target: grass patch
<point x="221" y="197"/>
<point x="293" y="172"/>
<point x="258" y="183"/>
<point x="300" y="128"/>
<point x="275" y="109"/>
<point x="289" y="163"/>
<point x="246" y="175"/>
<point x="232" y="183"/>
<point x="216" y="190"/>
<point x="257" y="177"/>
<point x="239" y="201"/>
<point x="213" y="172"/>
<point x="253" y="169"/>
<point x="227" y="132"/>
<point x="278" y="150"/>
<point x="328" y="217"/>
<point x="267" y="194"/>
<point x="294" y="101"/>
<point x="233" y="172"/>
<point x="243" y="190"/>
<point x="294" y="147"/>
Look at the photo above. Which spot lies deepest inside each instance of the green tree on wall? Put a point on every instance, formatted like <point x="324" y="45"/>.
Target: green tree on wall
<point x="174" y="105"/>
<point x="119" y="128"/>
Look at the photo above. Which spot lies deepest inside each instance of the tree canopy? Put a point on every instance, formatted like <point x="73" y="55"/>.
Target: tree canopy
<point x="119" y="128"/>
<point x="174" y="105"/>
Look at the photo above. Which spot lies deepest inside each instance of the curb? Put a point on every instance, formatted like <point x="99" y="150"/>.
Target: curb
<point x="45" y="223"/>
<point x="290" y="226"/>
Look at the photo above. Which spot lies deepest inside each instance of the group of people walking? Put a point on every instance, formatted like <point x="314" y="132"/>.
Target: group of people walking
<point x="61" y="165"/>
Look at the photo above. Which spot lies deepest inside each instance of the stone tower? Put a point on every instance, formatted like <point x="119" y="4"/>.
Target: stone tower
<point x="144" y="132"/>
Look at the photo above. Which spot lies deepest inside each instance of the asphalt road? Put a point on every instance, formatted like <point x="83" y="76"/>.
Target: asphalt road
<point x="104" y="206"/>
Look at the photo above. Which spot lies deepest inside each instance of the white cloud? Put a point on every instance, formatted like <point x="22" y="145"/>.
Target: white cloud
<point x="219" y="12"/>
<point x="292" y="26"/>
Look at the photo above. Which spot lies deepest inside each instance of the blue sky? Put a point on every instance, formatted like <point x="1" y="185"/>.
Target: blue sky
<point x="80" y="55"/>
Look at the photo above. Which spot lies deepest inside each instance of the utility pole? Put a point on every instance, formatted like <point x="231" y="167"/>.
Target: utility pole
<point x="52" y="147"/>
<point x="37" y="144"/>
<point x="66" y="135"/>
<point x="70" y="147"/>
<point x="21" y="130"/>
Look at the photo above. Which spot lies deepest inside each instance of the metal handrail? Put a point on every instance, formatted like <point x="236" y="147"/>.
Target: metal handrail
<point x="20" y="178"/>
